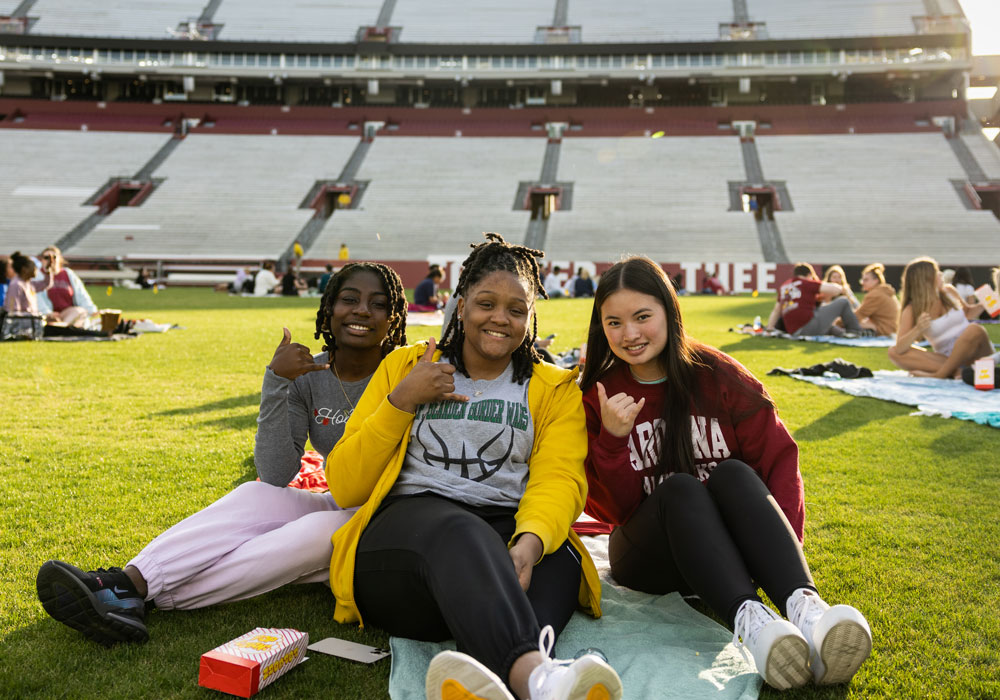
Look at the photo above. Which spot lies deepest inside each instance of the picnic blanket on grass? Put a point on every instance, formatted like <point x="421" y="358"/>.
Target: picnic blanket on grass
<point x="659" y="645"/>
<point x="948" y="398"/>
<point x="876" y="341"/>
<point x="424" y="318"/>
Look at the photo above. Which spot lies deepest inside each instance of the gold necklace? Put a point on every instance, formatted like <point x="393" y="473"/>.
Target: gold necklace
<point x="341" y="382"/>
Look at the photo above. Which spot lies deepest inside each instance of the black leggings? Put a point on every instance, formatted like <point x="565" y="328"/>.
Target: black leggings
<point x="432" y="569"/>
<point x="718" y="540"/>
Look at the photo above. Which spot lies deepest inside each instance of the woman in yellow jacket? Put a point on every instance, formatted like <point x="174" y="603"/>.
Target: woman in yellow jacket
<point x="467" y="465"/>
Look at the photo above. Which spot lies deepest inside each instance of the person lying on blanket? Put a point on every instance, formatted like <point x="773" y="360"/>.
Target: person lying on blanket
<point x="935" y="311"/>
<point x="689" y="461"/>
<point x="215" y="555"/>
<point x="467" y="463"/>
<point x="797" y="310"/>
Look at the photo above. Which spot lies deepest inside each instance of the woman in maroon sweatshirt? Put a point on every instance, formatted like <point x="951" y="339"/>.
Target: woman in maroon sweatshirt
<point x="691" y="464"/>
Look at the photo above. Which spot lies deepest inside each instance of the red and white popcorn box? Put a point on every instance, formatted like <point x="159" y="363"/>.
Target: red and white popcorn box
<point x="253" y="661"/>
<point x="989" y="299"/>
<point x="984" y="372"/>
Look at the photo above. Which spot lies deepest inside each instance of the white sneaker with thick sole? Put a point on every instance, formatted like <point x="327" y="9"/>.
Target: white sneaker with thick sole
<point x="587" y="677"/>
<point x="779" y="649"/>
<point x="453" y="675"/>
<point x="839" y="637"/>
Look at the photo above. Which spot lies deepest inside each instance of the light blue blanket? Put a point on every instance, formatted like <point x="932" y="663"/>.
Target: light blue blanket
<point x="948" y="398"/>
<point x="877" y="341"/>
<point x="659" y="645"/>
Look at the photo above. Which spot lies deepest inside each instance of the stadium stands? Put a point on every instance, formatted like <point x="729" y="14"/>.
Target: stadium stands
<point x="48" y="175"/>
<point x="223" y="196"/>
<point x="474" y="21"/>
<point x="433" y="196"/>
<point x="794" y="19"/>
<point x="294" y="20"/>
<point x="664" y="197"/>
<point x="113" y="18"/>
<point x="649" y="20"/>
<point x="987" y="154"/>
<point x="859" y="198"/>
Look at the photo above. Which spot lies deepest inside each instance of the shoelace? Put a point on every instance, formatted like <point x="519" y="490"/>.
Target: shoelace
<point x="803" y="612"/>
<point x="750" y="620"/>
<point x="546" y="641"/>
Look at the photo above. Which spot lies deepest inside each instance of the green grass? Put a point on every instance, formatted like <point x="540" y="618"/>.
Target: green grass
<point x="105" y="445"/>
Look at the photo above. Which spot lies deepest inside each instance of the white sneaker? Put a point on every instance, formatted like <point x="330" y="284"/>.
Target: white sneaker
<point x="453" y="675"/>
<point x="588" y="677"/>
<point x="778" y="647"/>
<point x="839" y="637"/>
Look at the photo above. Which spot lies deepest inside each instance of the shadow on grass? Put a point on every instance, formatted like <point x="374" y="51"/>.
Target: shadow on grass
<point x="753" y="343"/>
<point x="220" y="405"/>
<point x="249" y="472"/>
<point x="46" y="659"/>
<point x="857" y="412"/>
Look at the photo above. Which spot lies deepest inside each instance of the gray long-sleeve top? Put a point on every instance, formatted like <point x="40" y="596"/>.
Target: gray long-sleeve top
<point x="313" y="406"/>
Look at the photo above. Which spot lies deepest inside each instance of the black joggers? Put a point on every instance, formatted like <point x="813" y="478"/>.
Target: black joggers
<point x="718" y="540"/>
<point x="432" y="569"/>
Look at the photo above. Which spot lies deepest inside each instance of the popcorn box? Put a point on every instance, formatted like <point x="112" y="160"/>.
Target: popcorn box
<point x="253" y="661"/>
<point x="983" y="371"/>
<point x="989" y="299"/>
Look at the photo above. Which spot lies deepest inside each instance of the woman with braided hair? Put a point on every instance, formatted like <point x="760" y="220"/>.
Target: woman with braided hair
<point x="261" y="535"/>
<point x="465" y="461"/>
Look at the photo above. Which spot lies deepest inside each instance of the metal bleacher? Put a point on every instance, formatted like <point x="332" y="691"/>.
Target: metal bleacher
<point x="667" y="198"/>
<point x="224" y="196"/>
<point x="113" y="18"/>
<point x="434" y="196"/>
<point x="650" y="20"/>
<point x="884" y="197"/>
<point x="48" y="175"/>
<point x="987" y="154"/>
<point x="295" y="20"/>
<point x="474" y="21"/>
<point x="794" y="19"/>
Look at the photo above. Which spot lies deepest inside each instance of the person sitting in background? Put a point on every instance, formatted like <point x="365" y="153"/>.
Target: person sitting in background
<point x="935" y="311"/>
<point x="678" y="283"/>
<point x="142" y="279"/>
<point x="963" y="284"/>
<point x="343" y="254"/>
<point x="67" y="298"/>
<point x="426" y="296"/>
<point x="797" y="311"/>
<point x="835" y="275"/>
<point x="554" y="282"/>
<point x="22" y="291"/>
<point x="265" y="282"/>
<point x="583" y="285"/>
<point x="880" y="309"/>
<point x="292" y="285"/>
<point x="6" y="275"/>
<point x="711" y="284"/>
<point x="325" y="279"/>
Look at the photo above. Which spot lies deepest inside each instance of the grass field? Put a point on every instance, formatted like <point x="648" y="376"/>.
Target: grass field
<point x="105" y="445"/>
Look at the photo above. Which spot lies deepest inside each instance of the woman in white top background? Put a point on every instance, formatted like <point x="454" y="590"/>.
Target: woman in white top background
<point x="934" y="310"/>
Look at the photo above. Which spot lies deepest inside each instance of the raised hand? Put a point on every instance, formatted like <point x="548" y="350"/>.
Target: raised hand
<point x="923" y="322"/>
<point x="427" y="382"/>
<point x="618" y="412"/>
<point x="292" y="360"/>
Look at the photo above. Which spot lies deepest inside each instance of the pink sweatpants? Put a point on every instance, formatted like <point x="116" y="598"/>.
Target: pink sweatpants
<point x="254" y="539"/>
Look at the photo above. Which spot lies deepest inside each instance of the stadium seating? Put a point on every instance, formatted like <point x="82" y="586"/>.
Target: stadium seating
<point x="859" y="198"/>
<point x="48" y="175"/>
<point x="664" y="197"/>
<point x="113" y="18"/>
<point x="434" y="196"/>
<point x="224" y="196"/>
<point x="650" y="20"/>
<point x="294" y="20"/>
<point x="987" y="154"/>
<point x="475" y="21"/>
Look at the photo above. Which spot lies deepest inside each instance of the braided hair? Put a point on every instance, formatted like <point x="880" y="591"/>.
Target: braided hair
<point x="396" y="334"/>
<point x="496" y="255"/>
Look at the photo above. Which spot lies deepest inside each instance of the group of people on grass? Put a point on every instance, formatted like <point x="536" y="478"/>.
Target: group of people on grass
<point x="928" y="309"/>
<point x="57" y="293"/>
<point x="457" y="467"/>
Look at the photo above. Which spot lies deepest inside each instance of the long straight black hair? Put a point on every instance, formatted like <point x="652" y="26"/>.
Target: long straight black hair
<point x="681" y="358"/>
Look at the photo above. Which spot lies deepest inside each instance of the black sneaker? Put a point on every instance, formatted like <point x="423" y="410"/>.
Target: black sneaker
<point x="102" y="604"/>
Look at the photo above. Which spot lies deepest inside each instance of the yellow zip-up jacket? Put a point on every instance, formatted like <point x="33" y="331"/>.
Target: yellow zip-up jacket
<point x="364" y="465"/>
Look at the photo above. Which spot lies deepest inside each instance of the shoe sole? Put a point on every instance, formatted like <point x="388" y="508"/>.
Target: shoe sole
<point x="845" y="647"/>
<point x="68" y="600"/>
<point x="787" y="664"/>
<point x="595" y="681"/>
<point x="455" y="676"/>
